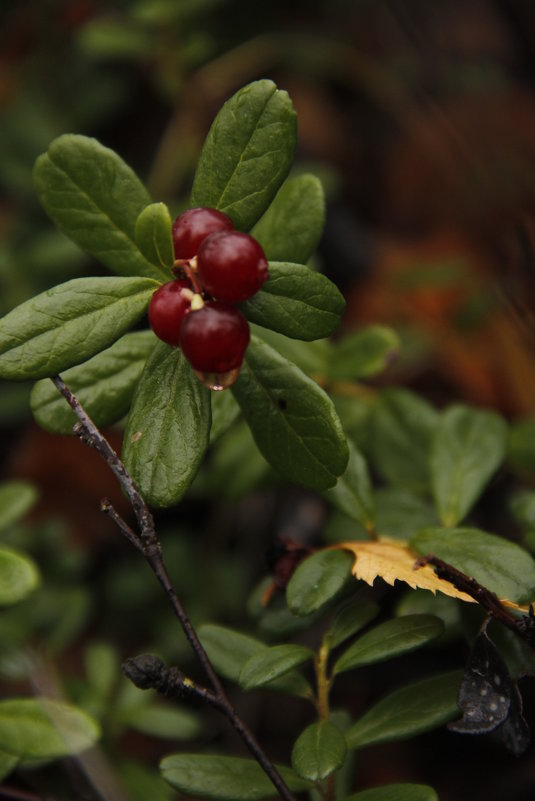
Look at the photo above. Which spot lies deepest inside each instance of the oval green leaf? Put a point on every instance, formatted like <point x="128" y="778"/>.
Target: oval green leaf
<point x="263" y="667"/>
<point x="104" y="385"/>
<point x="291" y="228"/>
<point x="293" y="421"/>
<point x="364" y="353"/>
<point x="69" y="323"/>
<point x="33" y="728"/>
<point x="296" y="302"/>
<point x="8" y="762"/>
<point x="411" y="710"/>
<point x="468" y="447"/>
<point x="154" y="235"/>
<point x="318" y="580"/>
<point x="168" y="427"/>
<point x="402" y="425"/>
<point x="353" y="494"/>
<point x="400" y="513"/>
<point x="18" y="576"/>
<point x="498" y="564"/>
<point x="225" y="411"/>
<point x="392" y="638"/>
<point x="95" y="199"/>
<point x="156" y="720"/>
<point x="247" y="154"/>
<point x="310" y="357"/>
<point x="229" y="651"/>
<point x="318" y="751"/>
<point x="396" y="792"/>
<point x="16" y="499"/>
<point x="351" y="618"/>
<point x="224" y="778"/>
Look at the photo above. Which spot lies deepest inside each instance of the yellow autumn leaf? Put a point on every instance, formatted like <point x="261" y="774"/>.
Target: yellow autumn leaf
<point x="393" y="560"/>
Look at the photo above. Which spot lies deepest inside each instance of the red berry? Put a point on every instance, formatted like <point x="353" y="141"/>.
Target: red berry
<point x="231" y="266"/>
<point x="193" y="226"/>
<point x="214" y="339"/>
<point x="167" y="309"/>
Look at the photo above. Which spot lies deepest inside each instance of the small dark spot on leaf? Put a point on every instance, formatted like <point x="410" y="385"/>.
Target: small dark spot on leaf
<point x="282" y="404"/>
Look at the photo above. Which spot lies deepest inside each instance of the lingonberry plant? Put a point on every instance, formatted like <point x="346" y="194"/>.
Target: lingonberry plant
<point x="237" y="259"/>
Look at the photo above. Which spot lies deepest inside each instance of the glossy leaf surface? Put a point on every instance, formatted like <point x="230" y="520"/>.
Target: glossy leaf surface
<point x="296" y="302"/>
<point x="94" y="198"/>
<point x="275" y="661"/>
<point x="104" y="385"/>
<point x="154" y="235"/>
<point x="350" y="619"/>
<point x="318" y="751"/>
<point x="247" y="154"/>
<point x="69" y="323"/>
<point x="353" y="493"/>
<point x="224" y="778"/>
<point x="293" y="421"/>
<point x="396" y="792"/>
<point x="317" y="581"/>
<point x="498" y="564"/>
<point x="168" y="427"/>
<point x="468" y="447"/>
<point x="392" y="638"/>
<point x="409" y="711"/>
<point x="291" y="228"/>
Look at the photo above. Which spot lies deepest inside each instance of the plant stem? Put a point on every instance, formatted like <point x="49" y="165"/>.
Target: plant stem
<point x="147" y="542"/>
<point x="322" y="681"/>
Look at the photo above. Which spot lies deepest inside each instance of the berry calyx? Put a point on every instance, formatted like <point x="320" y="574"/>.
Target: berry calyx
<point x="192" y="227"/>
<point x="167" y="309"/>
<point x="215" y="338"/>
<point x="231" y="266"/>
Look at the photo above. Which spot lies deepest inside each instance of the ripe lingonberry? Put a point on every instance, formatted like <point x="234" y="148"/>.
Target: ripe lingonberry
<point x="167" y="309"/>
<point x="193" y="226"/>
<point x="231" y="266"/>
<point x="214" y="339"/>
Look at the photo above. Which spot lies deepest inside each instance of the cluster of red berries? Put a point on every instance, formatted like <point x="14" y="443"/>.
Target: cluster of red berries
<point x="217" y="267"/>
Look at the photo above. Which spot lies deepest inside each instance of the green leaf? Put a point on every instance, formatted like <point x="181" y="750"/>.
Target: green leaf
<point x="69" y="323"/>
<point x="400" y="514"/>
<point x="225" y="411"/>
<point x="104" y="385"/>
<point x="411" y="710"/>
<point x="291" y="228"/>
<point x="353" y="493"/>
<point x="293" y="421"/>
<point x="364" y="353"/>
<point x="247" y="154"/>
<point x="521" y="447"/>
<point x="8" y="762"/>
<point x="310" y="357"/>
<point x="168" y="427"/>
<point x="396" y="792"/>
<point x="468" y="447"/>
<point x="402" y="425"/>
<point x="18" y="576"/>
<point x="318" y="580"/>
<point x="263" y="667"/>
<point x="16" y="499"/>
<point x="44" y="729"/>
<point x="392" y="638"/>
<point x="236" y="466"/>
<point x="168" y="722"/>
<point x="502" y="566"/>
<point x="350" y="619"/>
<point x="224" y="778"/>
<point x="230" y="650"/>
<point x="522" y="506"/>
<point x="94" y="198"/>
<point x="102" y="668"/>
<point x="296" y="302"/>
<point x="318" y="751"/>
<point x="154" y="235"/>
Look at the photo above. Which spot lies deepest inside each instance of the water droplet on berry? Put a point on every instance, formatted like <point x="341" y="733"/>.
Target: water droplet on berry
<point x="218" y="381"/>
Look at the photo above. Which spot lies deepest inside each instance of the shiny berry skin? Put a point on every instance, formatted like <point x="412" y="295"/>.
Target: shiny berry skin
<point x="214" y="339"/>
<point x="231" y="266"/>
<point x="193" y="226"/>
<point x="168" y="308"/>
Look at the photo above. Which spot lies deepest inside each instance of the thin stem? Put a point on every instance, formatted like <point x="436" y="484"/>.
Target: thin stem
<point x="147" y="542"/>
<point x="322" y="680"/>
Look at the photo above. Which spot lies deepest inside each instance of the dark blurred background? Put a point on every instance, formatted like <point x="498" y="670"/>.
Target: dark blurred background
<point x="420" y="119"/>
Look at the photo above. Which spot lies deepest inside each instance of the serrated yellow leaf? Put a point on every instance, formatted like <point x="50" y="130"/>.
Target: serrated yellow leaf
<point x="395" y="561"/>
